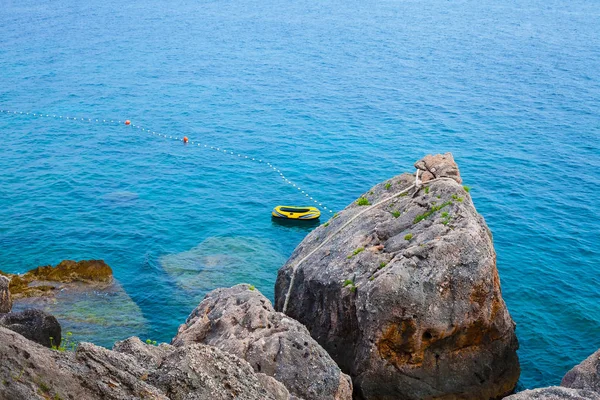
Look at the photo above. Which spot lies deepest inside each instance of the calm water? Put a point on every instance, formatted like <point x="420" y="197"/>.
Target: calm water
<point x="339" y="95"/>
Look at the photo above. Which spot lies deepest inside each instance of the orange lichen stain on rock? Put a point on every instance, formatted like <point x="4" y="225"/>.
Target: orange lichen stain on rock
<point x="404" y="344"/>
<point x="399" y="345"/>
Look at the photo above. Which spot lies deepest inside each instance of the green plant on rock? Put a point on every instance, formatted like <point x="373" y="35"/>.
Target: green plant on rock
<point x="251" y="287"/>
<point x="408" y="236"/>
<point x="455" y="197"/>
<point x="426" y="189"/>
<point x="388" y="186"/>
<point x="326" y="224"/>
<point x="467" y="188"/>
<point x="355" y="252"/>
<point x="152" y="342"/>
<point x="66" y="343"/>
<point x="43" y="387"/>
<point x="381" y="265"/>
<point x="396" y="213"/>
<point x="350" y="285"/>
<point x="431" y="211"/>
<point x="363" y="201"/>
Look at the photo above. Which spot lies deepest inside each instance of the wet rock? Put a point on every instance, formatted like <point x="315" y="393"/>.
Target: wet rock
<point x="35" y="325"/>
<point x="406" y="298"/>
<point x="555" y="393"/>
<point x="5" y="297"/>
<point x="46" y="280"/>
<point x="241" y="321"/>
<point x="585" y="375"/>
<point x="197" y="372"/>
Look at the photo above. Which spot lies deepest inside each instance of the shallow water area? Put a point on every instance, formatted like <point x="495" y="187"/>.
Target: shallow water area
<point x="101" y="315"/>
<point x="338" y="96"/>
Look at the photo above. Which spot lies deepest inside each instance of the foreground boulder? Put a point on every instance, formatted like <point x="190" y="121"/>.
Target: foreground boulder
<point x="133" y="370"/>
<point x="581" y="382"/>
<point x="35" y="325"/>
<point x="46" y="280"/>
<point x="585" y="375"/>
<point x="241" y="321"/>
<point x="406" y="297"/>
<point x="555" y="393"/>
<point x="5" y="297"/>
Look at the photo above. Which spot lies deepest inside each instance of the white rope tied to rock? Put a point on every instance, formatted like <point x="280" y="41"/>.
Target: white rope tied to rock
<point x="418" y="184"/>
<point x="177" y="138"/>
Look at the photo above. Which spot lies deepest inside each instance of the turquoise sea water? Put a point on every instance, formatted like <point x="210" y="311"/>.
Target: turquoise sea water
<point x="339" y="96"/>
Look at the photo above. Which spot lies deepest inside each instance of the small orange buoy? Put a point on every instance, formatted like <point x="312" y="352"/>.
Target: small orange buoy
<point x="128" y="122"/>
<point x="185" y="139"/>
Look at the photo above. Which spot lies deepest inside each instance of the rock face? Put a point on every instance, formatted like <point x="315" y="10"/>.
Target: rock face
<point x="5" y="298"/>
<point x="133" y="370"/>
<point x="406" y="297"/>
<point x="35" y="325"/>
<point x="555" y="393"/>
<point x="43" y="281"/>
<point x="241" y="321"/>
<point x="585" y="375"/>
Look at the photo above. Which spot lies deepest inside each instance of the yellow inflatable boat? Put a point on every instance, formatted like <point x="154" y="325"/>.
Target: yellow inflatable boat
<point x="293" y="212"/>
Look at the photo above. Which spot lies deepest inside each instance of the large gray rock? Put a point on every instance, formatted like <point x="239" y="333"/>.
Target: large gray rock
<point x="241" y="321"/>
<point x="585" y="375"/>
<point x="5" y="298"/>
<point x="406" y="298"/>
<point x="555" y="393"/>
<point x="133" y="370"/>
<point x="35" y="325"/>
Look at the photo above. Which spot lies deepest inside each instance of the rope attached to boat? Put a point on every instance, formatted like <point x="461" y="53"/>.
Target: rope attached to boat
<point x="418" y="184"/>
<point x="198" y="144"/>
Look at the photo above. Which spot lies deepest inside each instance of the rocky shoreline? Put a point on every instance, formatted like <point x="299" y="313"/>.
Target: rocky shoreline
<point x="396" y="297"/>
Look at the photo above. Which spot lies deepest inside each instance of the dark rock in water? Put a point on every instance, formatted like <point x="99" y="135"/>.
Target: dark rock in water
<point x="5" y="298"/>
<point x="133" y="370"/>
<point x="406" y="297"/>
<point x="241" y="321"/>
<point x="555" y="393"/>
<point x="585" y="375"/>
<point x="35" y="325"/>
<point x="42" y="281"/>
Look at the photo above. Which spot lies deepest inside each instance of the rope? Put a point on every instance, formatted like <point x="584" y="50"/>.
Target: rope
<point x="418" y="184"/>
<point x="207" y="146"/>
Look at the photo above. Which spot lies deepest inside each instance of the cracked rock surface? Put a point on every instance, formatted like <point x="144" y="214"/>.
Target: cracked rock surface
<point x="241" y="321"/>
<point x="407" y="298"/>
<point x="133" y="370"/>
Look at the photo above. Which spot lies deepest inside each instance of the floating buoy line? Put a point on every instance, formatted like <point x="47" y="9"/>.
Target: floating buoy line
<point x="183" y="139"/>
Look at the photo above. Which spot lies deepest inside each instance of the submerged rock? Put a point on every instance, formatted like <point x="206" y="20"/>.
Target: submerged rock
<point x="216" y="263"/>
<point x="585" y="375"/>
<point x="47" y="280"/>
<point x="5" y="297"/>
<point x="35" y="325"/>
<point x="241" y="321"/>
<point x="406" y="297"/>
<point x="133" y="370"/>
<point x="555" y="393"/>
